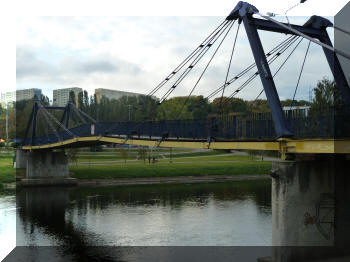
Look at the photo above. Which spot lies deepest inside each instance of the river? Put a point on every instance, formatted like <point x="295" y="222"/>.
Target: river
<point x="212" y="214"/>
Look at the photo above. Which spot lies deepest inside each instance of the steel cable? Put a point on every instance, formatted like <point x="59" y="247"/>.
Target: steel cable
<point x="200" y="77"/>
<point x="188" y="58"/>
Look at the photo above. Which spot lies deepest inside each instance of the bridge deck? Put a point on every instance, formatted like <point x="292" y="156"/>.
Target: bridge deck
<point x="329" y="146"/>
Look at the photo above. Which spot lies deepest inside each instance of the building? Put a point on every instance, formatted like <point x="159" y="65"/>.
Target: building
<point x="297" y="110"/>
<point x="25" y="94"/>
<point x="113" y="94"/>
<point x="61" y="96"/>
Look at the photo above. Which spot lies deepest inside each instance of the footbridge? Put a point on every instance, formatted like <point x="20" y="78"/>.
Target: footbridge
<point x="310" y="199"/>
<point x="324" y="133"/>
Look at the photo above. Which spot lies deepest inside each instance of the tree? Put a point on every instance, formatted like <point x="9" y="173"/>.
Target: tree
<point x="72" y="97"/>
<point x="259" y="105"/>
<point x="325" y="97"/>
<point x="229" y="105"/>
<point x="142" y="153"/>
<point x="73" y="155"/>
<point x="183" y="108"/>
<point x="124" y="154"/>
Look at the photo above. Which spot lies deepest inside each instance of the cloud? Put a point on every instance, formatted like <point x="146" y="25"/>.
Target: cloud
<point x="31" y="67"/>
<point x="136" y="53"/>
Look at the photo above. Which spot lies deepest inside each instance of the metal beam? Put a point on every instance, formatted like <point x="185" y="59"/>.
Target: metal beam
<point x="55" y="107"/>
<point x="35" y="113"/>
<point x="302" y="146"/>
<point x="265" y="25"/>
<point x="67" y="114"/>
<point x="281" y="125"/>
<point x="28" y="125"/>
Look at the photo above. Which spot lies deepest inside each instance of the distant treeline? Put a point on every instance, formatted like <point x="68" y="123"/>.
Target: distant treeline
<point x="148" y="108"/>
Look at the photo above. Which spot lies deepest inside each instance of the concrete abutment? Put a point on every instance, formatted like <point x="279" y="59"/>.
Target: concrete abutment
<point x="44" y="168"/>
<point x="311" y="209"/>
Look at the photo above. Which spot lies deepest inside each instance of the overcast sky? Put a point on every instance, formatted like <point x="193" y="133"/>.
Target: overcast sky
<point x="136" y="53"/>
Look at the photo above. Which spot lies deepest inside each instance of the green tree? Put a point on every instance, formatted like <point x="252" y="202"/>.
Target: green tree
<point x="183" y="108"/>
<point x="73" y="155"/>
<point x="229" y="105"/>
<point x="259" y="105"/>
<point x="72" y="97"/>
<point x="325" y="97"/>
<point x="124" y="154"/>
<point x="142" y="153"/>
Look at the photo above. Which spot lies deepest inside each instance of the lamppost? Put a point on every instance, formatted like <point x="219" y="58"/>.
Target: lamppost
<point x="130" y="106"/>
<point x="7" y="128"/>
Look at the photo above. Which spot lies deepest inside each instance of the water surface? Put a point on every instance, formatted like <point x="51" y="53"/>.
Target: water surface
<point x="215" y="214"/>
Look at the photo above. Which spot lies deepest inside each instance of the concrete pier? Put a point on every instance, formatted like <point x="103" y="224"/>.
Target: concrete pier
<point x="21" y="158"/>
<point x="44" y="168"/>
<point x="47" y="164"/>
<point x="310" y="208"/>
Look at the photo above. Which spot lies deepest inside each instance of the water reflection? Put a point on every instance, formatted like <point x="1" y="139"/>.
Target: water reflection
<point x="220" y="214"/>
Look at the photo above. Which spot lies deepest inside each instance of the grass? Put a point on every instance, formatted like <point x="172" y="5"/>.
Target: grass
<point x="7" y="172"/>
<point x="133" y="156"/>
<point x="194" y="164"/>
<point x="211" y="158"/>
<point x="166" y="170"/>
<point x="214" y="162"/>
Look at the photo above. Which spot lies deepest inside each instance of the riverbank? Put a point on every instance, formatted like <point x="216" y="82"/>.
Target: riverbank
<point x="170" y="180"/>
<point x="165" y="169"/>
<point x="196" y="167"/>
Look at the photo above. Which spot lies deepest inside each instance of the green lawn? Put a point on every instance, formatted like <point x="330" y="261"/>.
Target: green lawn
<point x="166" y="169"/>
<point x="7" y="172"/>
<point x="196" y="164"/>
<point x="105" y="156"/>
<point x="211" y="158"/>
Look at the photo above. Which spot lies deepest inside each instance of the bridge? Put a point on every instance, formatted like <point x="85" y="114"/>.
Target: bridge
<point x="321" y="133"/>
<point x="314" y="148"/>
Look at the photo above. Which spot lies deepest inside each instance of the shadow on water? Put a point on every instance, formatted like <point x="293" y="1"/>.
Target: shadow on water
<point x="53" y="224"/>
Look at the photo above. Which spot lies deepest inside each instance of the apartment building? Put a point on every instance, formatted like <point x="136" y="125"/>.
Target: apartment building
<point x="61" y="96"/>
<point x="113" y="94"/>
<point x="8" y="98"/>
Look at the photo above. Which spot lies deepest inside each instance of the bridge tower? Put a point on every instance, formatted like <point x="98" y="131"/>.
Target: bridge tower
<point x="46" y="166"/>
<point x="310" y="200"/>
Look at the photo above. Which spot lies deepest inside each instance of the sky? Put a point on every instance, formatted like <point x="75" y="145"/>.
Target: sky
<point x="135" y="53"/>
<point x="129" y="45"/>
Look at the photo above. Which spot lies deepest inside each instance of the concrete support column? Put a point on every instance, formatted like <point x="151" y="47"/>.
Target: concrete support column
<point x="310" y="208"/>
<point x="44" y="164"/>
<point x="21" y="158"/>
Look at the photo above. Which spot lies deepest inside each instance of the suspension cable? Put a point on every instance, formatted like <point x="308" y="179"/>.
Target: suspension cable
<point x="79" y="116"/>
<point x="49" y="122"/>
<point x="229" y="66"/>
<point x="253" y="76"/>
<point x="301" y="71"/>
<point x="289" y="55"/>
<point x="188" y="58"/>
<point x="86" y="115"/>
<point x="200" y="77"/>
<point x="193" y="64"/>
<point x="57" y="122"/>
<point x="270" y="61"/>
<point x="212" y="39"/>
<point x="277" y="49"/>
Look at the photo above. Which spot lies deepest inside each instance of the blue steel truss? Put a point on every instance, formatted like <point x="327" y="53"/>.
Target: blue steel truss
<point x="315" y="27"/>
